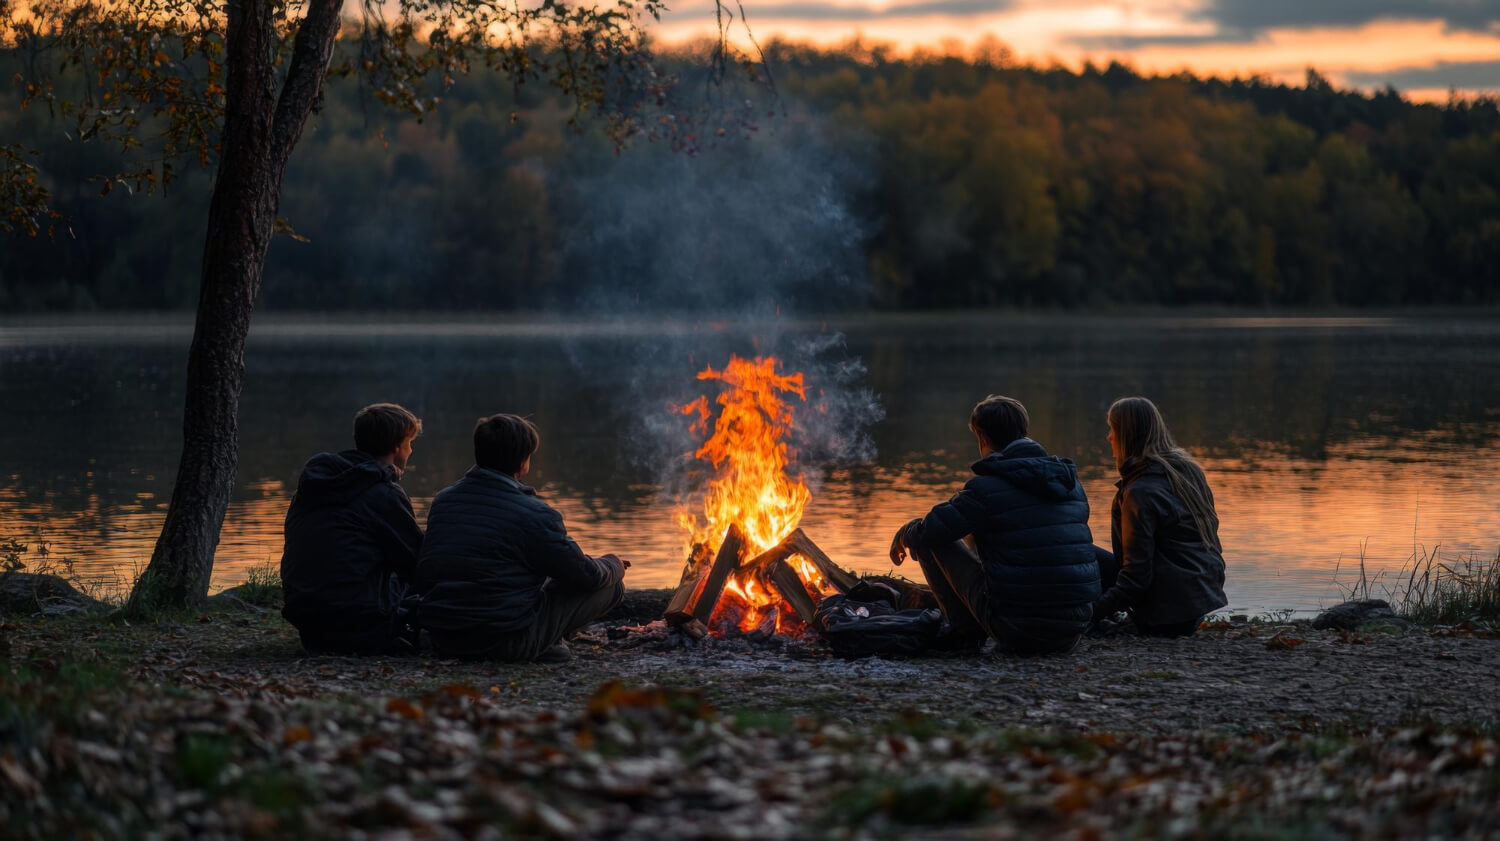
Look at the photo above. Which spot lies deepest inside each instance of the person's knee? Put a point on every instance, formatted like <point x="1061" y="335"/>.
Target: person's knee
<point x="952" y="554"/>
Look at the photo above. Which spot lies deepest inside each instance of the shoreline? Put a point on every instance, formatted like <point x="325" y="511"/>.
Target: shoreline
<point x="525" y="323"/>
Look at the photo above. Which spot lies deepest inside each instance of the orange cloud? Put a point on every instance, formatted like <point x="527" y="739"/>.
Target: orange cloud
<point x="1162" y="36"/>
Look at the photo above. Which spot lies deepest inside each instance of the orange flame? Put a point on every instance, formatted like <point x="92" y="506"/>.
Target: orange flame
<point x="749" y="452"/>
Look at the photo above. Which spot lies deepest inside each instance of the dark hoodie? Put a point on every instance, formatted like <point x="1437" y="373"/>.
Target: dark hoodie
<point x="1030" y="520"/>
<point x="351" y="551"/>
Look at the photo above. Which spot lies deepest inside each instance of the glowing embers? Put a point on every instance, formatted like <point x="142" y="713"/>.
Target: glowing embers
<point x="749" y="567"/>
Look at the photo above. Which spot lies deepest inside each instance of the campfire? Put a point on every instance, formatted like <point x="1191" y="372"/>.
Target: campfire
<point x="750" y="568"/>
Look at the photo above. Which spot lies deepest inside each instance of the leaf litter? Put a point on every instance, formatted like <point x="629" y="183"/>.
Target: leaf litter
<point x="225" y="730"/>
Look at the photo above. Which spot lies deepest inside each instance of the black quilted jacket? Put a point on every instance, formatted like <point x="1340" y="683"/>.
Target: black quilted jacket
<point x="491" y="545"/>
<point x="1030" y="520"/>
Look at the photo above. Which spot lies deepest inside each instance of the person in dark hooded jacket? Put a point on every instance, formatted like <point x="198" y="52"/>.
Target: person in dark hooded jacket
<point x="352" y="540"/>
<point x="499" y="577"/>
<point x="1167" y="568"/>
<point x="1035" y="577"/>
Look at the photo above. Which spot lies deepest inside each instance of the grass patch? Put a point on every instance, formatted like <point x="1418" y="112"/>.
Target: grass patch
<point x="769" y="721"/>
<point x="202" y="760"/>
<point x="217" y="765"/>
<point x="11" y="552"/>
<point x="1443" y="593"/>
<point x="43" y="690"/>
<point x="1431" y="590"/>
<point x="262" y="586"/>
<point x="910" y="801"/>
<point x="1273" y="617"/>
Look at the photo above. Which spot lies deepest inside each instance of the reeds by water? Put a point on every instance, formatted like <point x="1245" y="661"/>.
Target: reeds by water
<point x="1431" y="590"/>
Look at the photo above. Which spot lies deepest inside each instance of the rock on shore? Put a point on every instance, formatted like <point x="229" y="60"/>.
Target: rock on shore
<point x="1353" y="615"/>
<point x="41" y="594"/>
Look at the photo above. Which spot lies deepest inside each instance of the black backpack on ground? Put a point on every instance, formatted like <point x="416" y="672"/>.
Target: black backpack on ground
<point x="865" y="622"/>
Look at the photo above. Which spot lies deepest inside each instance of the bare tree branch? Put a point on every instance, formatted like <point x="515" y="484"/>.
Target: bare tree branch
<point x="312" y="53"/>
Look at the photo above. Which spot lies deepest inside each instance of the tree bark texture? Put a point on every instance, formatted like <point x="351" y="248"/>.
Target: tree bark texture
<point x="259" y="134"/>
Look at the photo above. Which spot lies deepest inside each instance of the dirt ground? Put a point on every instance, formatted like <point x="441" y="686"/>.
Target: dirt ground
<point x="220" y="726"/>
<point x="1242" y="677"/>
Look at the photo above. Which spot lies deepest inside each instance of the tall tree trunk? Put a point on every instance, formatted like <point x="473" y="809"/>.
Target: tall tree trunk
<point x="258" y="136"/>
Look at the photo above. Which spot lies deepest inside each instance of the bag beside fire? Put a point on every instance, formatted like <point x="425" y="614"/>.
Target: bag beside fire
<point x="867" y="621"/>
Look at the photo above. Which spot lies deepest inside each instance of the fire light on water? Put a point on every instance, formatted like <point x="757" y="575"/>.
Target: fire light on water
<point x="750" y="453"/>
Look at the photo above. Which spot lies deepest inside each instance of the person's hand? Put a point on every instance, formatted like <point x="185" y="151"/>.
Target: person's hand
<point x="898" y="543"/>
<point x="624" y="564"/>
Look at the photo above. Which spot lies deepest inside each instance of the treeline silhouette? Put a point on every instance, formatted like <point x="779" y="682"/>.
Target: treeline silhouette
<point x="897" y="183"/>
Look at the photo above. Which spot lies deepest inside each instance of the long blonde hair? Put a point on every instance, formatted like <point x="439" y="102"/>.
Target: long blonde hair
<point x="1141" y="433"/>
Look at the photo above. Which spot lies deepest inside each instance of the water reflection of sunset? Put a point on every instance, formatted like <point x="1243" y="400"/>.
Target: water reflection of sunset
<point x="1317" y="434"/>
<point x="1284" y="528"/>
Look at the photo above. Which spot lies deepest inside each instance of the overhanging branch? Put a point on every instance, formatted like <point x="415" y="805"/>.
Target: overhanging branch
<point x="312" y="53"/>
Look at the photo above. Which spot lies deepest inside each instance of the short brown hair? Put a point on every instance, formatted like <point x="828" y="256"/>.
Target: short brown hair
<point x="1000" y="419"/>
<point x="503" y="442"/>
<point x="379" y="428"/>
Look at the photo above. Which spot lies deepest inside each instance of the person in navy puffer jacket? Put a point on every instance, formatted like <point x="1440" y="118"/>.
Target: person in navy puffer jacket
<point x="1035" y="577"/>
<point x="498" y="576"/>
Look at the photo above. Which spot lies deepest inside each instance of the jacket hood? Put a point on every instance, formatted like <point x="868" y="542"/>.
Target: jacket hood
<point x="335" y="478"/>
<point x="1026" y="465"/>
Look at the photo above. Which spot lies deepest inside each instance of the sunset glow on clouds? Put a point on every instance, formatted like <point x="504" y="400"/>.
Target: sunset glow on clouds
<point x="1422" y="47"/>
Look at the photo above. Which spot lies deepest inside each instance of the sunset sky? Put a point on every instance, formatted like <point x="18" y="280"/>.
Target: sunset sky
<point x="1422" y="47"/>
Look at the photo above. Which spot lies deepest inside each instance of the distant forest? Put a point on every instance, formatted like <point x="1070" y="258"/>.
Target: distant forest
<point x="872" y="182"/>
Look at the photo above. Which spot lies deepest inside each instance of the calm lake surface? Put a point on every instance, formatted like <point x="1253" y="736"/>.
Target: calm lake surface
<point x="1320" y="436"/>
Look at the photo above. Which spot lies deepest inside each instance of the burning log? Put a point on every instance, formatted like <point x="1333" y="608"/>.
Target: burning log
<point x="768" y="623"/>
<point x="800" y="584"/>
<point x="702" y="585"/>
<point x="798" y="543"/>
<point x="789" y="584"/>
<point x="773" y="566"/>
<point x="694" y="575"/>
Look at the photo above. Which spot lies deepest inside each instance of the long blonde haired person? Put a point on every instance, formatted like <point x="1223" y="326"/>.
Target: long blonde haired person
<point x="1167" y="569"/>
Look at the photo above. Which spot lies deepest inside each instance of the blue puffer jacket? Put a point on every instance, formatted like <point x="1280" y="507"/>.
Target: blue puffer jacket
<point x="491" y="544"/>
<point x="1030" y="520"/>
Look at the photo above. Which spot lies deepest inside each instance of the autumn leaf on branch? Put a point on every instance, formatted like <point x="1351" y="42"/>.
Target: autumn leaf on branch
<point x="25" y="204"/>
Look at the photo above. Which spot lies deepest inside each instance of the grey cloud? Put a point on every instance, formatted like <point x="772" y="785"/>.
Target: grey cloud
<point x="1464" y="75"/>
<point x="1126" y="43"/>
<point x="1242" y="16"/>
<point x="1243" y="21"/>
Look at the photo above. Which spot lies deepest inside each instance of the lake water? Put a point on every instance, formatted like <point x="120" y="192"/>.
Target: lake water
<point x="1320" y="436"/>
